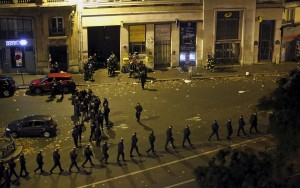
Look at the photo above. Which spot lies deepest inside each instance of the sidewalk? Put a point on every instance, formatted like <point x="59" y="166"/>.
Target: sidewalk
<point x="101" y="77"/>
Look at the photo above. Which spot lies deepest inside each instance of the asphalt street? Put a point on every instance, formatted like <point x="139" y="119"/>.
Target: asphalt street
<point x="178" y="103"/>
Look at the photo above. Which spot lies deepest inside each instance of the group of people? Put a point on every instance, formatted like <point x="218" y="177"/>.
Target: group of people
<point x="137" y="70"/>
<point x="241" y="123"/>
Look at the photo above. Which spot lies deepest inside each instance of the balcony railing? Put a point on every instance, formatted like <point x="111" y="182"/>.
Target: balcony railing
<point x="34" y="1"/>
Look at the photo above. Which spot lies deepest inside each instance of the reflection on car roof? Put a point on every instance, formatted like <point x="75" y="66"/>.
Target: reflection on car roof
<point x="38" y="117"/>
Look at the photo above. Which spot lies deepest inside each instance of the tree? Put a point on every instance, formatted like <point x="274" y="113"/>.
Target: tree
<point x="239" y="168"/>
<point x="284" y="103"/>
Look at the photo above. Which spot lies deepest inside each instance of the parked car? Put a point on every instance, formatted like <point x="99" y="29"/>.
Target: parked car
<point x="33" y="125"/>
<point x="39" y="86"/>
<point x="7" y="86"/>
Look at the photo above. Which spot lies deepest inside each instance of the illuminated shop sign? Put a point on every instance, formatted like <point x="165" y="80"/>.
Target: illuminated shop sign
<point x="16" y="42"/>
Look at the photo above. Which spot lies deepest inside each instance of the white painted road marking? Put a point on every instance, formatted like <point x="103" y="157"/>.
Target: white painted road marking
<point x="167" y="164"/>
<point x="181" y="183"/>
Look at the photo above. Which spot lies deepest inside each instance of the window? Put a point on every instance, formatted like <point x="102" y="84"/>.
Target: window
<point x="15" y="28"/>
<point x="290" y="14"/>
<point x="28" y="124"/>
<point x="56" y="26"/>
<point x="137" y="39"/>
<point x="228" y="25"/>
<point x="38" y="123"/>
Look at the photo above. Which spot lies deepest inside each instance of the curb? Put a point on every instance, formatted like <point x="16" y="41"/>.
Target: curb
<point x="196" y="77"/>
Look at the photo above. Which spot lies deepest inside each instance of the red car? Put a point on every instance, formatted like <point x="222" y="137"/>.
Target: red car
<point x="39" y="86"/>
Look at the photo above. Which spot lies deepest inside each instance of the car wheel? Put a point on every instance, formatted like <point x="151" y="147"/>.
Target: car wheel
<point x="46" y="134"/>
<point x="14" y="134"/>
<point x="37" y="91"/>
<point x="66" y="90"/>
<point x="6" y="93"/>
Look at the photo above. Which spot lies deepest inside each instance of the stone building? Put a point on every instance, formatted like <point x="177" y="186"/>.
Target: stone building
<point x="165" y="33"/>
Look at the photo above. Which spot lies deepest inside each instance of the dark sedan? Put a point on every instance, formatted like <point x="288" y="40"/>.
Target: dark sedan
<point x="33" y="125"/>
<point x="7" y="86"/>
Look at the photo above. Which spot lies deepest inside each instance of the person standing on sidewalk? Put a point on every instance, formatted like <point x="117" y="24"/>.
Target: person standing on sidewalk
<point x="138" y="111"/>
<point x="23" y="165"/>
<point x="121" y="150"/>
<point x="56" y="160"/>
<point x="186" y="135"/>
<point x="229" y="128"/>
<point x="88" y="153"/>
<point x="73" y="157"/>
<point x="241" y="126"/>
<point x="170" y="138"/>
<point x="134" y="141"/>
<point x="40" y="162"/>
<point x="215" y="130"/>
<point x="12" y="165"/>
<point x="105" y="152"/>
<point x="151" y="141"/>
<point x="253" y="122"/>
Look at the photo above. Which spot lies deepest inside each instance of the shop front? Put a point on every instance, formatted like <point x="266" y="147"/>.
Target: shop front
<point x="17" y="55"/>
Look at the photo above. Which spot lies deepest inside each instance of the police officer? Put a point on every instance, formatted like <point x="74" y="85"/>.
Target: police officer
<point x="93" y="128"/>
<point x="98" y="135"/>
<point x="134" y="141"/>
<point x="105" y="152"/>
<point x="80" y="130"/>
<point x="2" y="167"/>
<point x="169" y="138"/>
<point x="229" y="128"/>
<point x="88" y="153"/>
<point x="106" y="116"/>
<point x="151" y="141"/>
<point x="253" y="122"/>
<point x="73" y="157"/>
<point x="241" y="126"/>
<point x="12" y="165"/>
<point x="99" y="117"/>
<point x="186" y="135"/>
<point x="143" y="78"/>
<point x="121" y="150"/>
<point x="53" y="88"/>
<point x="75" y="135"/>
<point x="23" y="165"/>
<point x="40" y="162"/>
<point x="215" y="130"/>
<point x="138" y="111"/>
<point x="56" y="160"/>
<point x="6" y="177"/>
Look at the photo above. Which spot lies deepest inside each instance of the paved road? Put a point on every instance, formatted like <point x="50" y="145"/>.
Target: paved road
<point x="179" y="103"/>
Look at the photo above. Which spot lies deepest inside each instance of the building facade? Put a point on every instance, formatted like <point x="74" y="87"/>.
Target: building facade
<point x="290" y="50"/>
<point x="165" y="33"/>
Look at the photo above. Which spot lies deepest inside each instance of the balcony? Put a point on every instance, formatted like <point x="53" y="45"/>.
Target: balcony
<point x="130" y="3"/>
<point x="34" y="3"/>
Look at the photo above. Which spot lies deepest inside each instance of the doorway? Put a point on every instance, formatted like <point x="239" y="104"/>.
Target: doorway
<point x="102" y="40"/>
<point x="162" y="46"/>
<point x="59" y="54"/>
<point x="266" y="38"/>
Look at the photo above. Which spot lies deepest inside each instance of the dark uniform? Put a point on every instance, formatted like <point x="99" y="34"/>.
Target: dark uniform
<point x="54" y="88"/>
<point x="93" y="127"/>
<point x="73" y="157"/>
<point x="12" y="165"/>
<point x="241" y="126"/>
<point x="105" y="152"/>
<point x="186" y="135"/>
<point x="56" y="160"/>
<point x="138" y="111"/>
<point x="121" y="150"/>
<point x="151" y="141"/>
<point x="23" y="165"/>
<point x="215" y="130"/>
<point x="253" y="122"/>
<point x="88" y="153"/>
<point x="106" y="116"/>
<point x="99" y="118"/>
<point x="6" y="177"/>
<point x="40" y="162"/>
<point x="80" y="130"/>
<point x="75" y="135"/>
<point x="229" y="129"/>
<point x="2" y="167"/>
<point x="169" y="138"/>
<point x="134" y="141"/>
<point x="98" y="135"/>
<point x="143" y="78"/>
